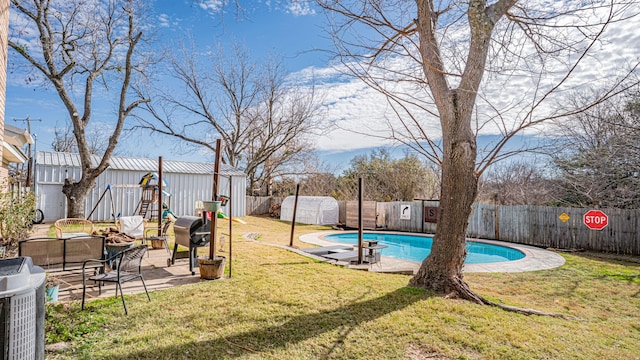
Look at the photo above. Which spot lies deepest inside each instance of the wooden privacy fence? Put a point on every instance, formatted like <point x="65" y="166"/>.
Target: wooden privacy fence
<point x="544" y="226"/>
<point x="259" y="205"/>
<point x="370" y="219"/>
<point x="531" y="225"/>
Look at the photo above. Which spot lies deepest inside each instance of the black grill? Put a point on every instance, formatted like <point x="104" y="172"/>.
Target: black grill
<point x="192" y="232"/>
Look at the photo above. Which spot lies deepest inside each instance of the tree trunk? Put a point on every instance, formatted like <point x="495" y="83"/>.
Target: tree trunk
<point x="441" y="271"/>
<point x="76" y="193"/>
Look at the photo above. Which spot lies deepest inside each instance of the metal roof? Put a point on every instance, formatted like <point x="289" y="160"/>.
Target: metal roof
<point x="136" y="164"/>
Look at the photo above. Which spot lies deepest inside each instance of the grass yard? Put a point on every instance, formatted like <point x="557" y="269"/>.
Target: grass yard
<point x="281" y="305"/>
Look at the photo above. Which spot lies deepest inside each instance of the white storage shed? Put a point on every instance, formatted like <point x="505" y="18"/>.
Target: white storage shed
<point x="318" y="210"/>
<point x="187" y="182"/>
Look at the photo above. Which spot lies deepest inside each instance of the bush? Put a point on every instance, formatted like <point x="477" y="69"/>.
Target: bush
<point x="16" y="214"/>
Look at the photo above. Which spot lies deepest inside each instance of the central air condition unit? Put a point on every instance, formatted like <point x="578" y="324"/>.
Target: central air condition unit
<point x="22" y="297"/>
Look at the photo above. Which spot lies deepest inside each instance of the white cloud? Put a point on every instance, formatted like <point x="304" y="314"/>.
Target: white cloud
<point x="164" y="20"/>
<point x="212" y="6"/>
<point x="300" y="8"/>
<point x="507" y="97"/>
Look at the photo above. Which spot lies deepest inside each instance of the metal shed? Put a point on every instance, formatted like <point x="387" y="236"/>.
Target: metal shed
<point x="187" y="182"/>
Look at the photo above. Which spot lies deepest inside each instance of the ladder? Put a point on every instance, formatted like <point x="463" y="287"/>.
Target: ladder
<point x="149" y="203"/>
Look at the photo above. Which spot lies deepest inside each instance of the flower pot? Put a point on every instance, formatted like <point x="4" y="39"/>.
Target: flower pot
<point x="212" y="206"/>
<point x="211" y="269"/>
<point x="52" y="293"/>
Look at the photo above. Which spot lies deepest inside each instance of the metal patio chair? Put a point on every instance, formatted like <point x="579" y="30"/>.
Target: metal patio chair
<point x="163" y="236"/>
<point x="128" y="266"/>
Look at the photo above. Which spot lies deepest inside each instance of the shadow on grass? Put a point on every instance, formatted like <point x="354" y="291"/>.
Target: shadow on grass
<point x="297" y="329"/>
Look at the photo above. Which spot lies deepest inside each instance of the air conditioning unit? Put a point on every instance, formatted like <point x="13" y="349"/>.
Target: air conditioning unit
<point x="22" y="297"/>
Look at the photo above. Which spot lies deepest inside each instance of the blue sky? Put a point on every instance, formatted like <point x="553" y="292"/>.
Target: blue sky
<point x="291" y="32"/>
<point x="352" y="110"/>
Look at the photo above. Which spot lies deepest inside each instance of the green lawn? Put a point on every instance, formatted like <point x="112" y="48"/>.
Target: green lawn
<point x="284" y="306"/>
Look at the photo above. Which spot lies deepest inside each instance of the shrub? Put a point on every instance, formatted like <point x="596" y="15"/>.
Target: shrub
<point x="16" y="214"/>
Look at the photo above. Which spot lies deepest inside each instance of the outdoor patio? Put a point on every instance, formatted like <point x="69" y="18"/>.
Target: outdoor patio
<point x="156" y="273"/>
<point x="154" y="269"/>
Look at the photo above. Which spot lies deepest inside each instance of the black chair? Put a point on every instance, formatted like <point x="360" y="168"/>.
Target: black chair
<point x="127" y="267"/>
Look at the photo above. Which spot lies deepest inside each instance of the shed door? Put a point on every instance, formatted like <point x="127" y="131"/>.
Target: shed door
<point x="52" y="202"/>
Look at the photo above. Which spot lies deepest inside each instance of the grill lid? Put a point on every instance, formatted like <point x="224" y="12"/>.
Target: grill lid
<point x="191" y="230"/>
<point x="192" y="223"/>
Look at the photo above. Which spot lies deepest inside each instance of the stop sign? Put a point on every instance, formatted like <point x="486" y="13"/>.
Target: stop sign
<point x="595" y="219"/>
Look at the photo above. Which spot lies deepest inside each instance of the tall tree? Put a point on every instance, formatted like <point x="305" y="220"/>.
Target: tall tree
<point x="516" y="183"/>
<point x="445" y="47"/>
<point x="388" y="179"/>
<point x="265" y="123"/>
<point x="82" y="48"/>
<point x="597" y="156"/>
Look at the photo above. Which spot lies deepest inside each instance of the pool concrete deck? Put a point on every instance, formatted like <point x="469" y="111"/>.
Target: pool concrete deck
<point x="535" y="258"/>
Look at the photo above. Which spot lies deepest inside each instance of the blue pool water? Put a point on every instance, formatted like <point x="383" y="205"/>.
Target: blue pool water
<point x="417" y="248"/>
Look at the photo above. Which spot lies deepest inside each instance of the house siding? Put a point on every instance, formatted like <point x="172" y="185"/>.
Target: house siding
<point x="4" y="38"/>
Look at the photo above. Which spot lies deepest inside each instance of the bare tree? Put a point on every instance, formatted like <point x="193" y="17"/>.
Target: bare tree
<point x="445" y="48"/>
<point x="516" y="183"/>
<point x="65" y="141"/>
<point x="82" y="47"/>
<point x="597" y="156"/>
<point x="264" y="122"/>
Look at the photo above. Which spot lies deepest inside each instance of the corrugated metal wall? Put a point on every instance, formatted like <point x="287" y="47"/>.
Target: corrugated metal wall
<point x="186" y="189"/>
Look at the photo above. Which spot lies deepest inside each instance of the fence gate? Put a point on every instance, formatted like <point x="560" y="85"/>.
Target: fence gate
<point x="369" y="214"/>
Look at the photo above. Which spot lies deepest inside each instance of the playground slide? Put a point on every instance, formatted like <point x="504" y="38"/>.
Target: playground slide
<point x="222" y="215"/>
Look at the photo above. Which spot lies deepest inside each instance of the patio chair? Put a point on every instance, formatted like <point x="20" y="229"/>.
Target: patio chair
<point x="148" y="235"/>
<point x="128" y="266"/>
<point x="71" y="227"/>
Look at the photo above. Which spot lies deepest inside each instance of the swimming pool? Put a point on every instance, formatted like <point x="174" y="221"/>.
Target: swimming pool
<point x="418" y="247"/>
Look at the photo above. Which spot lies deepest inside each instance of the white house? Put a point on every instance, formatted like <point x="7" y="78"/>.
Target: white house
<point x="14" y="139"/>
<point x="118" y="186"/>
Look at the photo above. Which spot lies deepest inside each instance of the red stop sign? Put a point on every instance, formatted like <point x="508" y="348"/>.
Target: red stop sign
<point x="595" y="219"/>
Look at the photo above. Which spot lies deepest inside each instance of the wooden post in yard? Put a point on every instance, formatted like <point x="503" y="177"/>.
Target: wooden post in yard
<point x="230" y="225"/>
<point x="360" y="222"/>
<point x="214" y="216"/>
<point x="293" y="220"/>
<point x="159" y="195"/>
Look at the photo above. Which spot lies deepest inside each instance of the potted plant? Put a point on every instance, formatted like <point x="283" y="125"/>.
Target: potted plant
<point x="52" y="287"/>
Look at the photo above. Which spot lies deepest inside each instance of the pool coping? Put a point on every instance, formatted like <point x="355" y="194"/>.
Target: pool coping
<point x="535" y="258"/>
